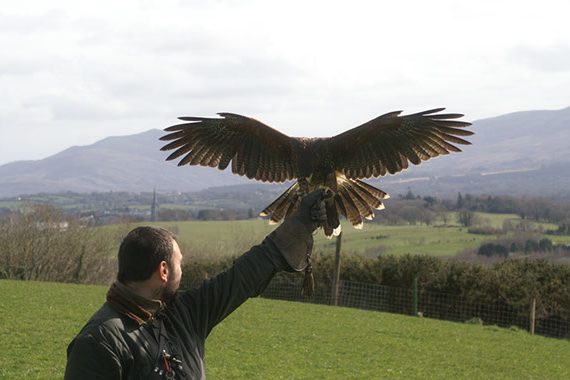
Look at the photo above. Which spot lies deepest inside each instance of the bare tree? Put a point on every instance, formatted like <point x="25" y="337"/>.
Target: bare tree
<point x="467" y="218"/>
<point x="40" y="243"/>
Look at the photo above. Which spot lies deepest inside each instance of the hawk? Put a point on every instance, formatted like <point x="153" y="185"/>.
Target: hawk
<point x="384" y="145"/>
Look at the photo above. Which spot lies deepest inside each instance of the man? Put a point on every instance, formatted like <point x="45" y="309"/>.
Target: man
<point x="148" y="330"/>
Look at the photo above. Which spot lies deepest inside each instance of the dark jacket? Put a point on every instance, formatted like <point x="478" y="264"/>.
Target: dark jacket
<point x="113" y="346"/>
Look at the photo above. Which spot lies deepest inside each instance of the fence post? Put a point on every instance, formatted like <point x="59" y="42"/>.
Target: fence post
<point x="532" y="316"/>
<point x="336" y="279"/>
<point x="415" y="296"/>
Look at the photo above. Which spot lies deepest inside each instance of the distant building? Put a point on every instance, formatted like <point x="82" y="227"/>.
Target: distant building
<point x="61" y="226"/>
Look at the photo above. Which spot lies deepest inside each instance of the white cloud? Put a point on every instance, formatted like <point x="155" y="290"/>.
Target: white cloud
<point x="549" y="59"/>
<point x="74" y="72"/>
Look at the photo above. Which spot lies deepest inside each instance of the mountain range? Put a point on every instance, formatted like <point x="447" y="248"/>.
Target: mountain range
<point x="522" y="153"/>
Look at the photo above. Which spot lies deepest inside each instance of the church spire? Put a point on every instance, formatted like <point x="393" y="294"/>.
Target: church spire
<point x="154" y="207"/>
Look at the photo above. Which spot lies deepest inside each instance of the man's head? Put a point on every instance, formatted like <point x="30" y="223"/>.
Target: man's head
<point x="151" y="254"/>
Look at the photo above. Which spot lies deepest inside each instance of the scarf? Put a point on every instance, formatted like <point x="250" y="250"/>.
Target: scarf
<point x="134" y="306"/>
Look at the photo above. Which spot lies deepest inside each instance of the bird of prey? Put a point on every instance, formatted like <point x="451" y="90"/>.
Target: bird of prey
<point x="384" y="145"/>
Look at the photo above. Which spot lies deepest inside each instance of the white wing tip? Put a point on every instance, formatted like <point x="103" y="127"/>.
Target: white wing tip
<point x="337" y="230"/>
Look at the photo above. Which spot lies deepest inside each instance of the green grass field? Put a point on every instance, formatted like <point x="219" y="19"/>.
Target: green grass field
<point x="222" y="238"/>
<point x="268" y="339"/>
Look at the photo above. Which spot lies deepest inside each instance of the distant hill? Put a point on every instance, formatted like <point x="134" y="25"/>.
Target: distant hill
<point x="129" y="163"/>
<point x="516" y="141"/>
<point x="522" y="153"/>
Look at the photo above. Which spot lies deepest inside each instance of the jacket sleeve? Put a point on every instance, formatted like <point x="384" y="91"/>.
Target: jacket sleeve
<point x="90" y="359"/>
<point x="218" y="297"/>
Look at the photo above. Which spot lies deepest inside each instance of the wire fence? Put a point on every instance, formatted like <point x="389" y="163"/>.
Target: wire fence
<point x="428" y="304"/>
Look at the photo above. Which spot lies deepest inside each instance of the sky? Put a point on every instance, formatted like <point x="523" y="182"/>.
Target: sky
<point x="75" y="72"/>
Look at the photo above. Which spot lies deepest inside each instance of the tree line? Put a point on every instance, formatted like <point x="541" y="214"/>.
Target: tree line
<point x="246" y="202"/>
<point x="412" y="209"/>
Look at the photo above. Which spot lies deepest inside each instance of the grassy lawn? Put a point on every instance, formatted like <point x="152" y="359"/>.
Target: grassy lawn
<point x="268" y="339"/>
<point x="376" y="239"/>
<point x="36" y="324"/>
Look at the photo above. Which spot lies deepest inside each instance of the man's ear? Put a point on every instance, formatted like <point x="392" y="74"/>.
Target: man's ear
<point x="163" y="271"/>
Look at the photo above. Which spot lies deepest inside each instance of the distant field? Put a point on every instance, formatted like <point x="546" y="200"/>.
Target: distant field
<point x="221" y="238"/>
<point x="268" y="339"/>
<point x="376" y="239"/>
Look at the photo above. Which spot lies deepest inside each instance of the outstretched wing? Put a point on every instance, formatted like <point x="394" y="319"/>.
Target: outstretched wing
<point x="254" y="149"/>
<point x="387" y="143"/>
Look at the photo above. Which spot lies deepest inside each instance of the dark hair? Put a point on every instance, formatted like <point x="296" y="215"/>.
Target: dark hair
<point x="142" y="250"/>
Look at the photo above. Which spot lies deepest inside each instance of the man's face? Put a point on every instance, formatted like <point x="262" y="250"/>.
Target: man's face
<point x="175" y="273"/>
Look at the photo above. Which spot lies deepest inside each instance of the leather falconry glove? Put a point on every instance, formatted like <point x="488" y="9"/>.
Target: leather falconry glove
<point x="294" y="237"/>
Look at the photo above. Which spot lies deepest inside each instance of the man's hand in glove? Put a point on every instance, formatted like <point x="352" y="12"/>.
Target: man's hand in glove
<point x="294" y="237"/>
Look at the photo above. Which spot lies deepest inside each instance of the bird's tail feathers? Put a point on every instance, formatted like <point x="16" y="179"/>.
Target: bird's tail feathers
<point x="357" y="200"/>
<point x="354" y="199"/>
<point x="283" y="206"/>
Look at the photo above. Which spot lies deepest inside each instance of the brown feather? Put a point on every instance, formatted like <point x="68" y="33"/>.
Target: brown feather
<point x="198" y="153"/>
<point x="365" y="209"/>
<point x="200" y="142"/>
<point x="280" y="201"/>
<point x="390" y="141"/>
<point x="352" y="215"/>
<point x="368" y="198"/>
<point x="454" y="131"/>
<point x="339" y="202"/>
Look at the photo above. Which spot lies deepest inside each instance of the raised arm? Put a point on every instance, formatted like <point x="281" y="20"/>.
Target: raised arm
<point x="286" y="248"/>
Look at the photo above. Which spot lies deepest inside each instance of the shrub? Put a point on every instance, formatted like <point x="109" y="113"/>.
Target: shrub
<point x="492" y="249"/>
<point x="513" y="282"/>
<point x="41" y="244"/>
<point x="563" y="229"/>
<point x="485" y="231"/>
